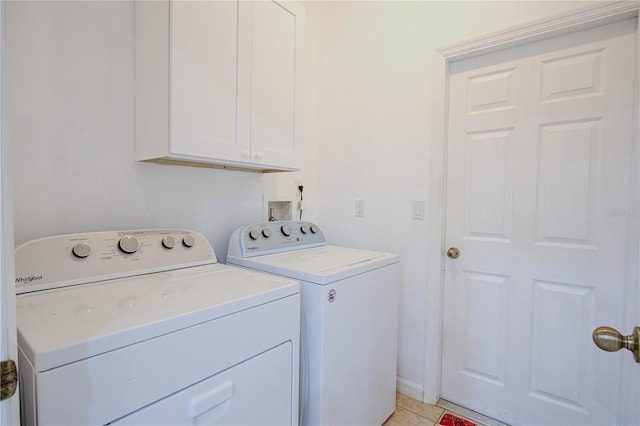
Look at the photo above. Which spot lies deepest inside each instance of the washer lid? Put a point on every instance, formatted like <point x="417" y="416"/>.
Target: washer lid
<point x="321" y="265"/>
<point x="57" y="327"/>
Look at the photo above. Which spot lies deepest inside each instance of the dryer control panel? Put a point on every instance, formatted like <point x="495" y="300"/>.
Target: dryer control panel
<point x="72" y="259"/>
<point x="274" y="237"/>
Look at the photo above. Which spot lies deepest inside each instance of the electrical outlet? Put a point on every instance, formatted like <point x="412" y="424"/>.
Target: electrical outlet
<point x="359" y="208"/>
<point x="418" y="210"/>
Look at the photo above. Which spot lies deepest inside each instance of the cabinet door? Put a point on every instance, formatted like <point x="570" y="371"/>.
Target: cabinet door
<point x="205" y="91"/>
<point x="276" y="83"/>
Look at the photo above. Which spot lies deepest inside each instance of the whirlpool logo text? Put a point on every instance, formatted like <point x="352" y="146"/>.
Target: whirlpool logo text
<point x="27" y="280"/>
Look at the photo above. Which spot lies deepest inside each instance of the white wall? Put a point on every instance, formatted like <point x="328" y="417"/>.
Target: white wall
<point x="375" y="112"/>
<point x="69" y="99"/>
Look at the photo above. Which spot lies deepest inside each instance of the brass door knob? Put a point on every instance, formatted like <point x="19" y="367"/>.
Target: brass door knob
<point x="611" y="340"/>
<point x="453" y="253"/>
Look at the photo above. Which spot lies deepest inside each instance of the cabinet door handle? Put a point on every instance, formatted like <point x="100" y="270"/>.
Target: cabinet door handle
<point x="206" y="401"/>
<point x="257" y="156"/>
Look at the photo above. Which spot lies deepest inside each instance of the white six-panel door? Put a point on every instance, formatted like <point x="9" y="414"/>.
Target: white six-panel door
<point x="539" y="150"/>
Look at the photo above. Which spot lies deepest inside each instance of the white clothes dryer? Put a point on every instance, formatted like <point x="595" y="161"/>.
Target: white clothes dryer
<point x="350" y="318"/>
<point x="146" y="328"/>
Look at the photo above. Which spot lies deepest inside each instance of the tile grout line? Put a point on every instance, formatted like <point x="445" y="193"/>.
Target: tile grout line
<point x="436" y="422"/>
<point x="444" y="411"/>
<point x="420" y="415"/>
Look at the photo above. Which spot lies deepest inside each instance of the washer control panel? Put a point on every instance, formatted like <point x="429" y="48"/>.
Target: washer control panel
<point x="83" y="258"/>
<point x="274" y="237"/>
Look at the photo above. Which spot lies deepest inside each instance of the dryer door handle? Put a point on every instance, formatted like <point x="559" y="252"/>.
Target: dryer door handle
<point x="206" y="401"/>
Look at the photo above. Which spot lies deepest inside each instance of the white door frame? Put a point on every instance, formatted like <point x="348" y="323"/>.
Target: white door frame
<point x="576" y="20"/>
<point x="10" y="408"/>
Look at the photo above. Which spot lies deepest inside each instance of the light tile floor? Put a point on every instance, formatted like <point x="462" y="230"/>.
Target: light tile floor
<point x="411" y="412"/>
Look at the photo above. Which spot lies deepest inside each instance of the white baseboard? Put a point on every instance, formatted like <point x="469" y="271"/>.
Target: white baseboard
<point x="410" y="389"/>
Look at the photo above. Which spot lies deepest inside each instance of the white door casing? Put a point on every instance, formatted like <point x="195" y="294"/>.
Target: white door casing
<point x="590" y="17"/>
<point x="539" y="150"/>
<point x="9" y="408"/>
<point x="630" y="395"/>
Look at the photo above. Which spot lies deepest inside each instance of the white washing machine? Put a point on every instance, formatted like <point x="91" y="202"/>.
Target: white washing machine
<point x="350" y="318"/>
<point x="146" y="328"/>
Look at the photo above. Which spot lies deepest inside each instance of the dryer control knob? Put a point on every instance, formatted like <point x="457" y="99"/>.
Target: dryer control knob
<point x="81" y="250"/>
<point x="266" y="232"/>
<point x="304" y="229"/>
<point x="188" y="241"/>
<point x="129" y="244"/>
<point x="286" y="230"/>
<point x="314" y="229"/>
<point x="254" y="234"/>
<point x="168" y="242"/>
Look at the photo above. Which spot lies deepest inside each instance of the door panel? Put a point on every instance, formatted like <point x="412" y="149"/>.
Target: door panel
<point x="489" y="185"/>
<point x="540" y="142"/>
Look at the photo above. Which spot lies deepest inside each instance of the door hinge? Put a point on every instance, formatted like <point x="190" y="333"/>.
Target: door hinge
<point x="9" y="379"/>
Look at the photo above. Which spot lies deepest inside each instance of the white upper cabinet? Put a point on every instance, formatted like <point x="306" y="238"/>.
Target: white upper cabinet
<point x="219" y="83"/>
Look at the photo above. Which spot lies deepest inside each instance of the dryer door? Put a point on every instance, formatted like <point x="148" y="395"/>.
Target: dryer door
<point x="256" y="391"/>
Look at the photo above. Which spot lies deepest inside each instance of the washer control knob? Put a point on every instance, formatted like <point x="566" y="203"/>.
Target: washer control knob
<point x="314" y="229"/>
<point x="129" y="244"/>
<point x="168" y="242"/>
<point x="254" y="234"/>
<point x="266" y="232"/>
<point x="286" y="230"/>
<point x="304" y="229"/>
<point x="81" y="250"/>
<point x="188" y="241"/>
